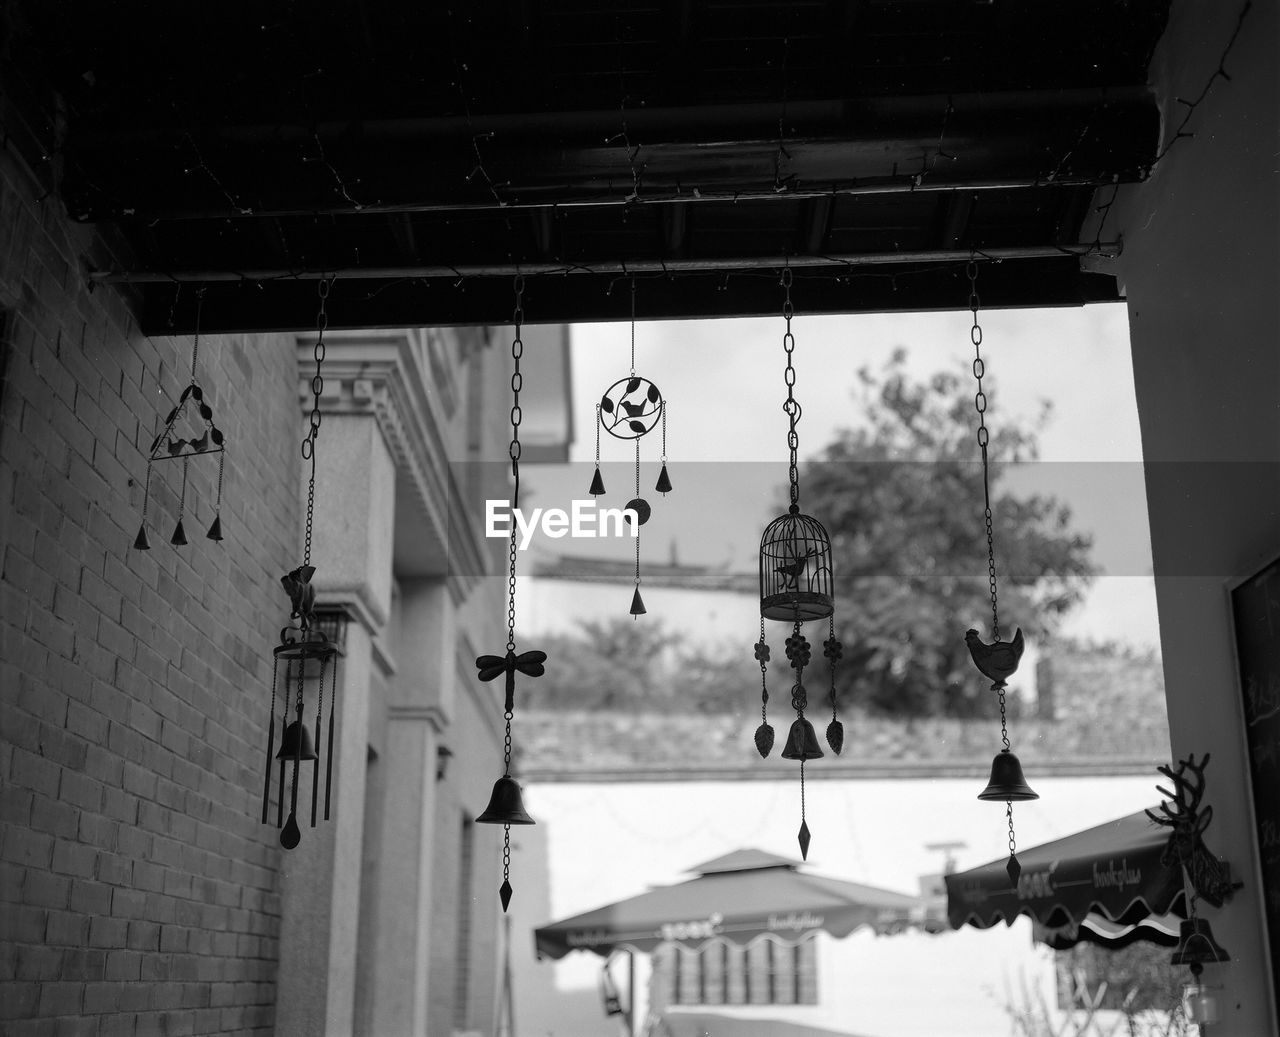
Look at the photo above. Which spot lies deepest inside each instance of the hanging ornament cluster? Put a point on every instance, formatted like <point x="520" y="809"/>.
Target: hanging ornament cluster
<point x="998" y="660"/>
<point x="167" y="446"/>
<point x="630" y="409"/>
<point x="506" y="803"/>
<point x="795" y="588"/>
<point x="308" y="656"/>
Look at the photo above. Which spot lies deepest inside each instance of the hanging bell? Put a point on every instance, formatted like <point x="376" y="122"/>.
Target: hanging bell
<point x="140" y="542"/>
<point x="1007" y="782"/>
<point x="506" y="805"/>
<point x="664" y="481"/>
<point x="597" y="484"/>
<point x="179" y="538"/>
<point x="1196" y="945"/>
<point x="215" y="530"/>
<point x="637" y="604"/>
<point x="296" y="732"/>
<point x="802" y="742"/>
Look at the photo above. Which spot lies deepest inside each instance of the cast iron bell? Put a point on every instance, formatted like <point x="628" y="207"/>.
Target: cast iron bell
<point x="506" y="805"/>
<point x="1196" y="945"/>
<point x="141" y="541"/>
<point x="802" y="742"/>
<point x="179" y="538"/>
<point x="289" y="749"/>
<point x="1007" y="782"/>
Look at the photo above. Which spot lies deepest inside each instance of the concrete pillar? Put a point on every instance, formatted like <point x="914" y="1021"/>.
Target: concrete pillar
<point x="1199" y="264"/>
<point x="402" y="923"/>
<point x="320" y="903"/>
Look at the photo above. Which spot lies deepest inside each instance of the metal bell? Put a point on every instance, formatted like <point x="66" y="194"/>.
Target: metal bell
<point x="141" y="541"/>
<point x="802" y="742"/>
<point x="506" y="805"/>
<point x="294" y="733"/>
<point x="1196" y="945"/>
<point x="179" y="538"/>
<point x="1007" y="782"/>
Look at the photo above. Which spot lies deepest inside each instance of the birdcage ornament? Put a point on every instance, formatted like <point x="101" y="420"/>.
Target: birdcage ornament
<point x="179" y="441"/>
<point x="630" y="409"/>
<point x="796" y="588"/>
<point x="996" y="660"/>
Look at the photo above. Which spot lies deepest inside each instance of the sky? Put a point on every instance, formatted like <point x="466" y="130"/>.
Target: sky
<point x="726" y="434"/>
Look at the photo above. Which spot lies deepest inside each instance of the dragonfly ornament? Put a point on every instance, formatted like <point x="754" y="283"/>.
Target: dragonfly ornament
<point x="493" y="666"/>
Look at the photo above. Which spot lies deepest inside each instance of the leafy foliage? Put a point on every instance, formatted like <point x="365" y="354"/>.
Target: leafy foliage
<point x="901" y="496"/>
<point x="619" y="664"/>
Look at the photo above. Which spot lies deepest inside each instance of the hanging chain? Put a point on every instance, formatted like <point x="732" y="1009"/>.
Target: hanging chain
<point x="1008" y="814"/>
<point x="980" y="404"/>
<point x="791" y="407"/>
<point x="762" y="656"/>
<point x="195" y="348"/>
<point x="513" y="451"/>
<point x="663" y="458"/>
<point x="313" y="429"/>
<point x="633" y="327"/>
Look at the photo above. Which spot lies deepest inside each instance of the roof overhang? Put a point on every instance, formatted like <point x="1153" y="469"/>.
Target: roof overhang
<point x="424" y="156"/>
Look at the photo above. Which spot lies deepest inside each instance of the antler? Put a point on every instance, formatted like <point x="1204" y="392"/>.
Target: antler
<point x="1188" y="791"/>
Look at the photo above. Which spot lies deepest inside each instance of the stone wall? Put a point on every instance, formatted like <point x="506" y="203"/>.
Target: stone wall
<point x="138" y="891"/>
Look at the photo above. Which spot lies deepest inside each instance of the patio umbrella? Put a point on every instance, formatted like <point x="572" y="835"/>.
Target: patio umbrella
<point x="737" y="897"/>
<point x="1108" y="885"/>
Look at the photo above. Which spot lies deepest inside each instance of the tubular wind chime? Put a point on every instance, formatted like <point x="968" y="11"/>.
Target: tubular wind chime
<point x="631" y="408"/>
<point x="998" y="660"/>
<point x="168" y="447"/>
<point x="506" y="804"/>
<point x="795" y="588"/>
<point x="308" y="657"/>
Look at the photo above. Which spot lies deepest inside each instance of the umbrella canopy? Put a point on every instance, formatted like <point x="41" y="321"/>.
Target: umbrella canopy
<point x="1107" y="884"/>
<point x="736" y="897"/>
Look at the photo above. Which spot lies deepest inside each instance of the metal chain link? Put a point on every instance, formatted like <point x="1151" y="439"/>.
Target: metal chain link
<point x="791" y="406"/>
<point x="313" y="422"/>
<point x="195" y="347"/>
<point x="1008" y="813"/>
<point x="513" y="451"/>
<point x="980" y="404"/>
<point x="633" y="327"/>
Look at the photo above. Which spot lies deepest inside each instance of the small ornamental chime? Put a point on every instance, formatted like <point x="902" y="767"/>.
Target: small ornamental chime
<point x="506" y="803"/>
<point x="998" y="660"/>
<point x="308" y="655"/>
<point x="168" y="447"/>
<point x="631" y="408"/>
<point x="796" y="587"/>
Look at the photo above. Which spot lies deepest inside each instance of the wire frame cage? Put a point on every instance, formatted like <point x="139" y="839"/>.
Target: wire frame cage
<point x="795" y="569"/>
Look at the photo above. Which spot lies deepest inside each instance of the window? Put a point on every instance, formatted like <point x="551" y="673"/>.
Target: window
<point x="766" y="972"/>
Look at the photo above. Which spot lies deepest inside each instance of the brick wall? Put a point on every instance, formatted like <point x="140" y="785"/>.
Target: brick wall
<point x="139" y="892"/>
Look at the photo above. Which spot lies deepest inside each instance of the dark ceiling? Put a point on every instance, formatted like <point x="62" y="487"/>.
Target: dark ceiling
<point x="423" y="155"/>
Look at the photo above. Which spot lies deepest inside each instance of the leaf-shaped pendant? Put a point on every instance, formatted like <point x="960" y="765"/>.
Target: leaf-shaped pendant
<point x="764" y="739"/>
<point x="835" y="736"/>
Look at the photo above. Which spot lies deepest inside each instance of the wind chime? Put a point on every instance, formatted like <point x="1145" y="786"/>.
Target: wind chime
<point x="998" y="660"/>
<point x="631" y="408"/>
<point x="795" y="588"/>
<point x="1204" y="877"/>
<point x="306" y="653"/>
<point x="506" y="804"/>
<point x="168" y="447"/>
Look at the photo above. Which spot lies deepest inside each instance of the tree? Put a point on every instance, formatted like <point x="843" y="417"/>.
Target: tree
<point x="901" y="496"/>
<point x="619" y="664"/>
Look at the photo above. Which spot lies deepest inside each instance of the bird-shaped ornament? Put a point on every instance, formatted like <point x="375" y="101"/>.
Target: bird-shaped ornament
<point x="998" y="660"/>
